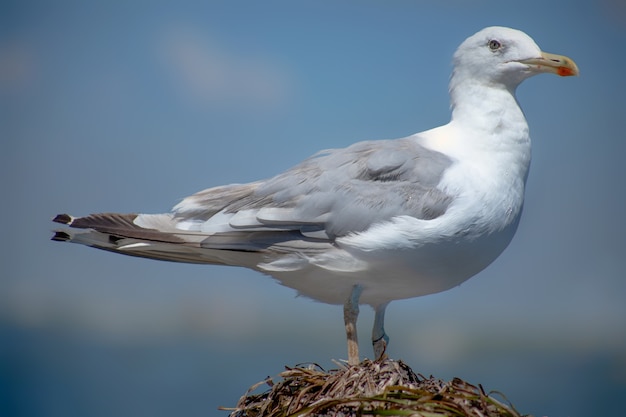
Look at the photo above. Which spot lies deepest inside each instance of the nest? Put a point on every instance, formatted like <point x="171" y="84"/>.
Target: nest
<point x="384" y="387"/>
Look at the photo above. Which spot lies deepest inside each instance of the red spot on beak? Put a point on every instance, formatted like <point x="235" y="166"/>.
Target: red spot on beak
<point x="565" y="71"/>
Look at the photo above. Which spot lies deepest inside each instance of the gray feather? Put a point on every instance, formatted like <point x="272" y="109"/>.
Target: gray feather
<point x="335" y="192"/>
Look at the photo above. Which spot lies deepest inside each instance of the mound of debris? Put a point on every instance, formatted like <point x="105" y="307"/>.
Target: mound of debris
<point x="383" y="387"/>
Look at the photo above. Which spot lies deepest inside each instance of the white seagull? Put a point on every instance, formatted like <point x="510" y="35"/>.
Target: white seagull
<point x="374" y="222"/>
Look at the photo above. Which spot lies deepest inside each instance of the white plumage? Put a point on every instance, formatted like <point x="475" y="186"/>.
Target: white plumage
<point x="377" y="221"/>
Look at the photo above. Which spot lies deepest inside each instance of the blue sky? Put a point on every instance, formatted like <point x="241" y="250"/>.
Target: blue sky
<point x="131" y="106"/>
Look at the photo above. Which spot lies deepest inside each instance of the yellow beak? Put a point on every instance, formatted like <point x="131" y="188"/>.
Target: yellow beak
<point x="556" y="64"/>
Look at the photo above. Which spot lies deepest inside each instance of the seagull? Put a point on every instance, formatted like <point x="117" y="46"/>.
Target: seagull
<point x="374" y="222"/>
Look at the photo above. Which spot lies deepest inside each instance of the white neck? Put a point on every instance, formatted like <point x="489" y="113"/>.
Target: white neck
<point x="487" y="130"/>
<point x="493" y="110"/>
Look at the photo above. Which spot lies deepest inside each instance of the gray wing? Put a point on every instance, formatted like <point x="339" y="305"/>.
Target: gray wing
<point x="285" y="222"/>
<point x="332" y="194"/>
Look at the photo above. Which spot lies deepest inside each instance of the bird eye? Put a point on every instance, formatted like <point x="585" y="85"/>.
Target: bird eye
<point x="494" y="45"/>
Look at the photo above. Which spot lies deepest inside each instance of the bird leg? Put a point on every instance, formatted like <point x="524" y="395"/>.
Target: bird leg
<point x="379" y="337"/>
<point x="350" y="314"/>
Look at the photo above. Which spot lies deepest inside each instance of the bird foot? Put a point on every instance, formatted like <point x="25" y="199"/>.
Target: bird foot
<point x="380" y="347"/>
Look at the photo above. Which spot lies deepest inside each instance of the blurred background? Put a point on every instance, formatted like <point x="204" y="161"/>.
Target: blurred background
<point x="130" y="106"/>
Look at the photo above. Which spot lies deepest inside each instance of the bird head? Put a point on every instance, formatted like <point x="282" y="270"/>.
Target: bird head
<point x="500" y="55"/>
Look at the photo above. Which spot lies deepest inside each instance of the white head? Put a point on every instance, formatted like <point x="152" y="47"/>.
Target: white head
<point x="506" y="57"/>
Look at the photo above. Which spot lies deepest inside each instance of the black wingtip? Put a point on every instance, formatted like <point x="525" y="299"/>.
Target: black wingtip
<point x="60" y="237"/>
<point x="63" y="219"/>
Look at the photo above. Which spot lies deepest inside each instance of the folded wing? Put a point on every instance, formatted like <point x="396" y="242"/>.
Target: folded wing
<point x="301" y="211"/>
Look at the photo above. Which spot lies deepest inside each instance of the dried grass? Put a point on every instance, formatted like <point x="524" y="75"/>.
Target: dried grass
<point x="372" y="388"/>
